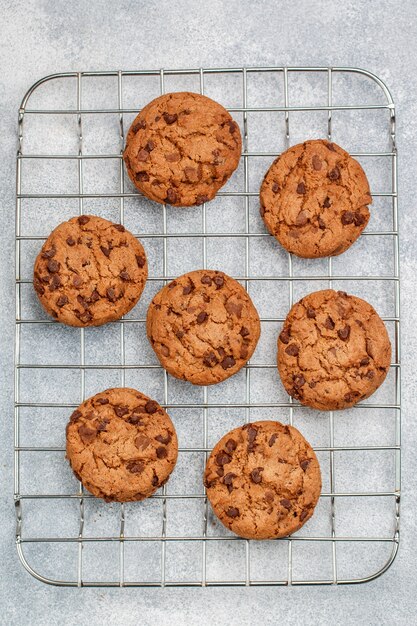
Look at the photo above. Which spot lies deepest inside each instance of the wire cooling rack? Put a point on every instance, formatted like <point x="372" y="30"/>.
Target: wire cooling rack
<point x="72" y="128"/>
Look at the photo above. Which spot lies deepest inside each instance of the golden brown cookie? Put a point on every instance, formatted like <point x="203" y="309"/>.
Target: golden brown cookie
<point x="314" y="199"/>
<point x="181" y="148"/>
<point x="263" y="480"/>
<point x="333" y="351"/>
<point x="203" y="327"/>
<point x="121" y="445"/>
<point x="90" y="271"/>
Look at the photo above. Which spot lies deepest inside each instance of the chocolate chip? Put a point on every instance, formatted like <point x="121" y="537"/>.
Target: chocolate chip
<point x="344" y="333"/>
<point x="142" y="176"/>
<point x="330" y="146"/>
<point x="105" y="251"/>
<point x="322" y="224"/>
<point x="359" y="219"/>
<point x="155" y="480"/>
<point x="252" y="434"/>
<point x="311" y="314"/>
<point x="53" y="266"/>
<point x="165" y="439"/>
<point x="111" y="294"/>
<point x="285" y="335"/>
<point x="327" y="204"/>
<point x="85" y="317"/>
<point x="285" y="503"/>
<point x="228" y="478"/>
<point x="218" y="281"/>
<point x="140" y="260"/>
<point x="87" y="434"/>
<point x="206" y="280"/>
<point x="210" y="359"/>
<point x="222" y="458"/>
<point x="70" y="241"/>
<point x="349" y="397"/>
<point x="255" y="475"/>
<point x="48" y="254"/>
<point x="228" y="362"/>
<point x="347" y="218"/>
<point x="143" y="155"/>
<point x="151" y="407"/>
<point x="244" y="332"/>
<point x="62" y="300"/>
<point x="135" y="467"/>
<point x="121" y="410"/>
<point x="232" y="512"/>
<point x="75" y="415"/>
<point x="221" y="351"/>
<point x="82" y="301"/>
<point x="150" y="146"/>
<point x="275" y="187"/>
<point x="329" y="323"/>
<point x="161" y="452"/>
<point x="365" y="361"/>
<point x="302" y="218"/>
<point x="171" y="196"/>
<point x="164" y="350"/>
<point x="230" y="445"/>
<point x="77" y="281"/>
<point x="334" y="174"/>
<point x="95" y="296"/>
<point x="370" y="374"/>
<point x="272" y="439"/>
<point x="83" y="219"/>
<point x="201" y="198"/>
<point x="220" y="471"/>
<point x="301" y="188"/>
<point x="38" y="286"/>
<point x="298" y="381"/>
<point x="316" y="162"/>
<point x="142" y="442"/>
<point x="135" y="420"/>
<point x="303" y="515"/>
<point x="292" y="349"/>
<point x="188" y="288"/>
<point x="102" y="425"/>
<point x="201" y="317"/>
<point x="55" y="283"/>
<point x="304" y="464"/>
<point x="170" y="118"/>
<point x="232" y="127"/>
<point x="102" y="400"/>
<point x="124" y="275"/>
<point x="138" y="125"/>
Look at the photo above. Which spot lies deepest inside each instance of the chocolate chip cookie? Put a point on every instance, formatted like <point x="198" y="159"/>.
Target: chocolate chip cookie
<point x="121" y="445"/>
<point x="263" y="480"/>
<point x="203" y="327"/>
<point x="90" y="271"/>
<point x="181" y="148"/>
<point x="333" y="351"/>
<point x="314" y="199"/>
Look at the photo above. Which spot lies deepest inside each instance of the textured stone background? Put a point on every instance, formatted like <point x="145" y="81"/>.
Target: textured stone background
<point x="38" y="38"/>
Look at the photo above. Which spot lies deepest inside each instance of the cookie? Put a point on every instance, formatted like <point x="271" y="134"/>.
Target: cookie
<point x="121" y="445"/>
<point x="203" y="327"/>
<point x="333" y="351"/>
<point x="263" y="480"/>
<point x="90" y="271"/>
<point x="181" y="148"/>
<point x="314" y="199"/>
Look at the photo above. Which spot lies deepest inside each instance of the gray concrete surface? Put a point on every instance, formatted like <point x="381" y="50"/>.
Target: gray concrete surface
<point x="39" y="38"/>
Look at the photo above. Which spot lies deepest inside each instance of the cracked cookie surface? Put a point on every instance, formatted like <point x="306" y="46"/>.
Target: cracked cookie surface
<point x="333" y="351"/>
<point x="263" y="480"/>
<point x="181" y="148"/>
<point x="203" y="327"/>
<point x="121" y="445"/>
<point x="90" y="271"/>
<point x="314" y="199"/>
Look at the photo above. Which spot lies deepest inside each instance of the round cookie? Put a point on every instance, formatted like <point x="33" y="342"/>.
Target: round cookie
<point x="314" y="199"/>
<point x="263" y="480"/>
<point x="181" y="148"/>
<point x="203" y="327"/>
<point x="333" y="351"/>
<point x="121" y="445"/>
<point x="90" y="271"/>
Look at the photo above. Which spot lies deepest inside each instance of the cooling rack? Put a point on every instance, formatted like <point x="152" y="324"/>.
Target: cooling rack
<point x="71" y="131"/>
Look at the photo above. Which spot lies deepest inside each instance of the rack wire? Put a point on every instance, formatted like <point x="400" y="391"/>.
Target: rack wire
<point x="173" y="539"/>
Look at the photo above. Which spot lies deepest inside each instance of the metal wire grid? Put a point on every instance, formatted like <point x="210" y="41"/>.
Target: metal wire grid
<point x="204" y="538"/>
